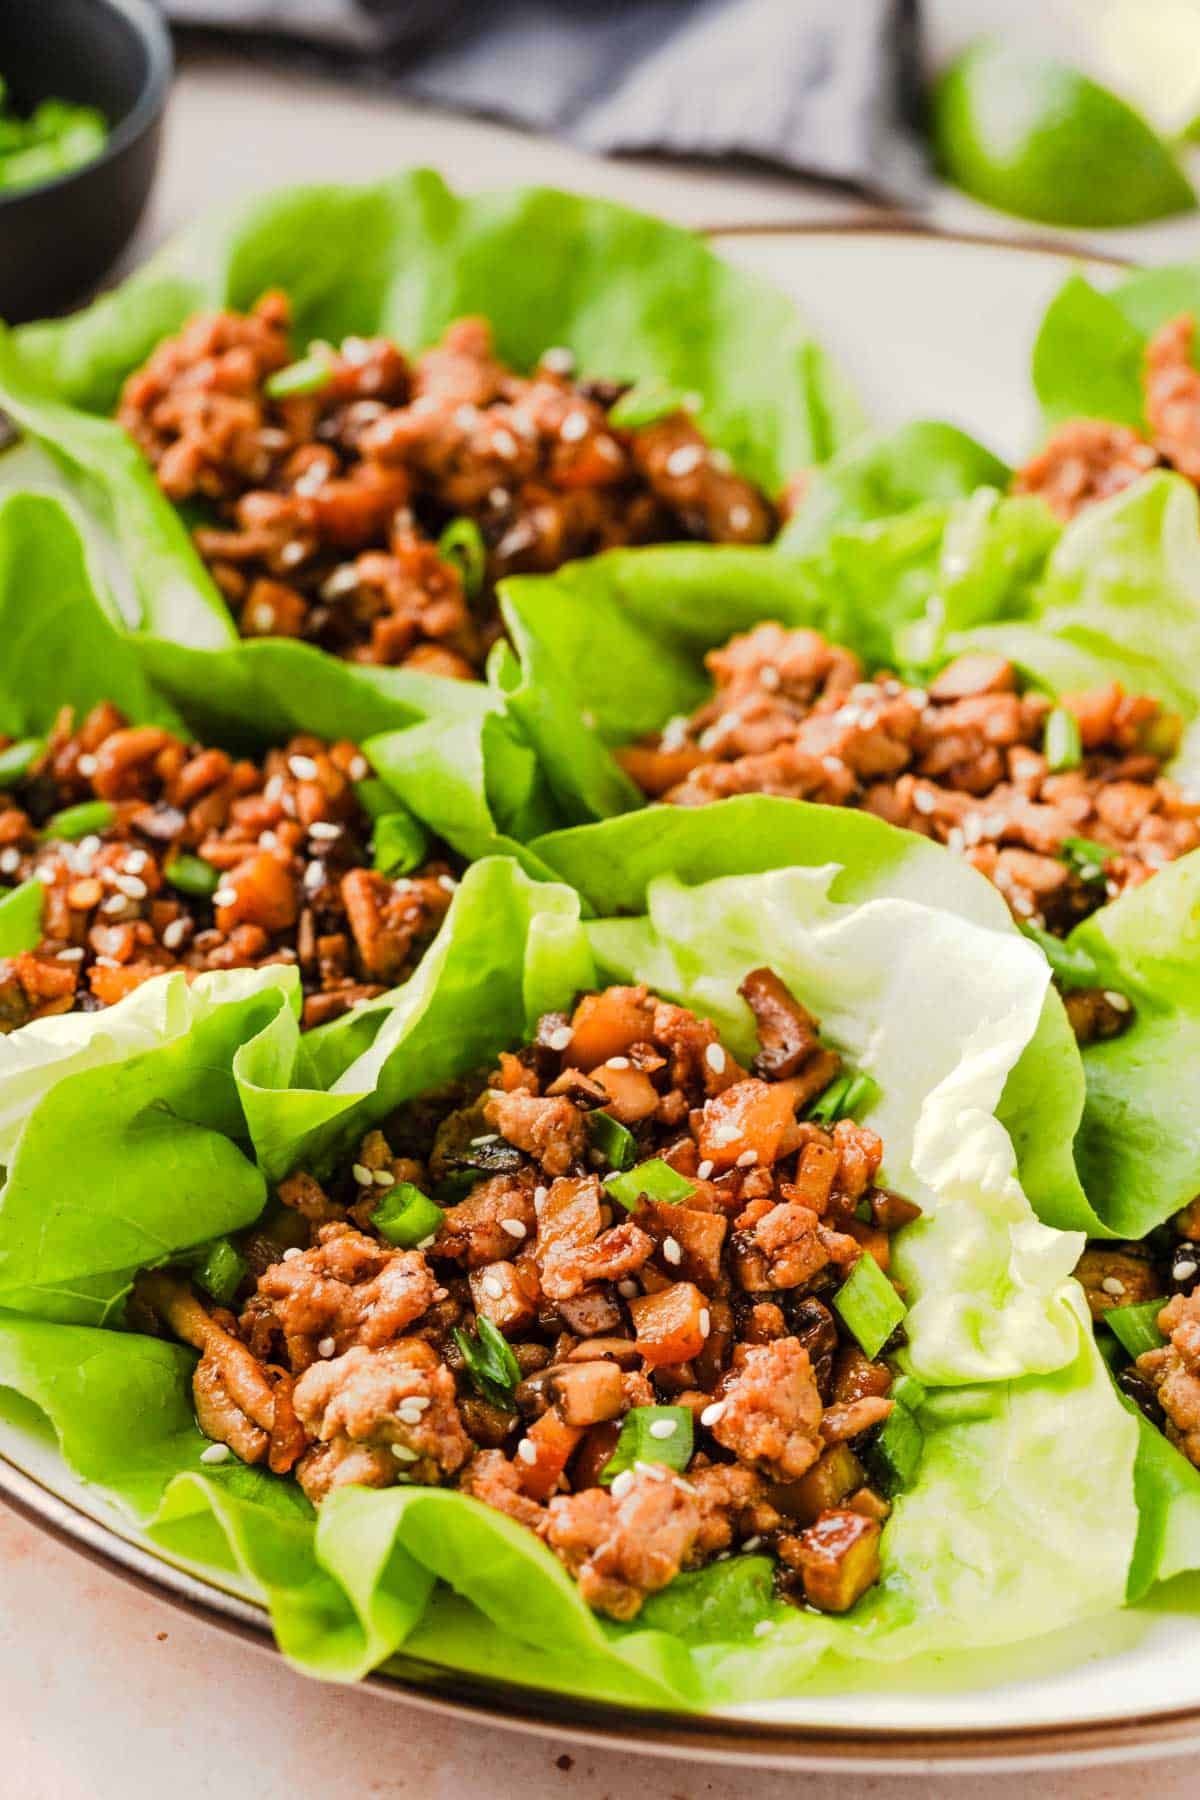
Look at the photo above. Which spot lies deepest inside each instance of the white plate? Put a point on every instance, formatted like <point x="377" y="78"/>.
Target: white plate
<point x="933" y="327"/>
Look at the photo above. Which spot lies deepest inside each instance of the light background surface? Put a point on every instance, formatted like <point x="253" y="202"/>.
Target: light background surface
<point x="106" y="1694"/>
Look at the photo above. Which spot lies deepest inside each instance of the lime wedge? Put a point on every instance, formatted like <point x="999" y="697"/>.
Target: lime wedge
<point x="1038" y="139"/>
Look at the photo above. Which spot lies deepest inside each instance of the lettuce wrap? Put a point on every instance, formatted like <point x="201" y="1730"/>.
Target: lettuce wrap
<point x="1023" y="1515"/>
<point x="1087" y="360"/>
<point x="911" y="591"/>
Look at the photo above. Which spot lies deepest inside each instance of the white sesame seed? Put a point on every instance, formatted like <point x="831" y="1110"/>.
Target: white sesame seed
<point x="1118" y="1002"/>
<point x="326" y="1347"/>
<point x="716" y="1059"/>
<point x="174" y="933"/>
<point x="527" y="1451"/>
<point x="559" y="1039"/>
<point x="704" y="1171"/>
<point x="505" y="444"/>
<point x="261" y="616"/>
<point x="447" y="882"/>
<point x="440" y="1293"/>
<point x="402" y="1453"/>
<point x="769" y="677"/>
<point x="1111" y="1285"/>
<point x="628" y="1289"/>
<point x="923" y="802"/>
<point x="292" y="553"/>
<point x="384" y="1178"/>
<point x="514" y="1228"/>
<point x="705" y="1321"/>
<point x="558" y="359"/>
<point x="540" y="1197"/>
<point x="216" y="1453"/>
<point x="683" y="461"/>
<point x="365" y="1177"/>
<point x="685" y="1487"/>
<point x="713" y="1412"/>
<point x="86" y="765"/>
<point x="107" y="962"/>
<point x="747" y="1159"/>
<point x="492" y="1288"/>
<point x="655" y="1471"/>
<point x="303" y="768"/>
<point x="671" y="1251"/>
<point x="136" y="861"/>
<point x="427" y="1243"/>
<point x="752" y="1543"/>
<point x="69" y="956"/>
<point x="617" y="1062"/>
<point x="1183" y="1271"/>
<point x="344" y="580"/>
<point x="487" y="1137"/>
<point x="663" y="1428"/>
<point x="116" y="903"/>
<point x="10" y="861"/>
<point x="292" y="1253"/>
<point x="622" y="1483"/>
<point x="408" y="1414"/>
<point x="465" y="417"/>
<point x="359" y="768"/>
<point x="764" y="1628"/>
<point x="573" y="427"/>
<point x="225" y="896"/>
<point x="324" y="831"/>
<point x="740" y="516"/>
<point x="314" y="877"/>
<point x="132" y="886"/>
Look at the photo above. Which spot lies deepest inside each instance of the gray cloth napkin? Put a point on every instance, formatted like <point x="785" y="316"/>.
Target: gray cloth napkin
<point x="823" y="87"/>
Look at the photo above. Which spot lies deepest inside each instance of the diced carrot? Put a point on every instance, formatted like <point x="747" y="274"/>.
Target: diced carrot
<point x="111" y="985"/>
<point x="512" y="1308"/>
<point x="263" y="893"/>
<point x="875" y="1243"/>
<point x="654" y="771"/>
<point x="553" y="1441"/>
<point x="816" y="1173"/>
<point x="671" y="1326"/>
<point x="607" y="1024"/>
<point x="594" y="1452"/>
<point x="700" y="1235"/>
<point x="631" y="1095"/>
<point x="514" y="1076"/>
<point x="748" y="1120"/>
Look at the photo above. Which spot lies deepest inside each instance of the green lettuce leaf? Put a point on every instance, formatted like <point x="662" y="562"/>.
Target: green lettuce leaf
<point x="1087" y="361"/>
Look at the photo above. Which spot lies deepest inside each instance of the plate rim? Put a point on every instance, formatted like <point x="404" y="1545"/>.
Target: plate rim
<point x="699" y="1737"/>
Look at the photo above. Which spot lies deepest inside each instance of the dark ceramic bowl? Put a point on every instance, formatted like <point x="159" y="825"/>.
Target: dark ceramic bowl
<point x="58" y="239"/>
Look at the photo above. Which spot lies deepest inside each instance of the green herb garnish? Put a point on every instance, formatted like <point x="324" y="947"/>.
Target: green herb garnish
<point x="653" y="1180"/>
<point x="405" y="1216"/>
<point x="893" y="1457"/>
<point x="78" y="821"/>
<point x="462" y="544"/>
<point x="1062" y="744"/>
<point x="1136" y="1327"/>
<point x="845" y="1095"/>
<point x="869" y="1305"/>
<point x="308" y="376"/>
<point x="646" y="404"/>
<point x="617" y="1145"/>
<point x="1086" y="857"/>
<point x="400" y="842"/>
<point x="19" y="758"/>
<point x="192" y="875"/>
<point x="645" y="1438"/>
<point x="493" y="1368"/>
<point x="220" y="1270"/>
<point x="21" y="917"/>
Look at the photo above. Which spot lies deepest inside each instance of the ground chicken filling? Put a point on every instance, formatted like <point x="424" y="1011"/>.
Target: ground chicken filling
<point x="551" y="1312"/>
<point x="1063" y="805"/>
<point x="332" y="479"/>
<point x="156" y="854"/>
<point x="1087" y="460"/>
<point x="1160" y="1277"/>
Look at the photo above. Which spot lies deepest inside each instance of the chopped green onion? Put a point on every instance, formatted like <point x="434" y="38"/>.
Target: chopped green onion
<point x="845" y="1095"/>
<point x="653" y="1180"/>
<point x="1136" y="1327"/>
<point x="1086" y="857"/>
<point x="308" y="376"/>
<point x="462" y="544"/>
<point x="645" y="1438"/>
<point x="405" y="1216"/>
<point x="400" y="842"/>
<point x="645" y="404"/>
<point x="617" y="1146"/>
<point x="18" y="759"/>
<point x="220" y="1270"/>
<point x="1062" y="743"/>
<point x="77" y="821"/>
<point x="893" y="1456"/>
<point x="493" y="1368"/>
<point x="906" y="1390"/>
<point x="375" y="797"/>
<point x="869" y="1305"/>
<point x="456" y="1186"/>
<point x="862" y="1093"/>
<point x="1073" y="967"/>
<point x="192" y="875"/>
<point x="21" y="917"/>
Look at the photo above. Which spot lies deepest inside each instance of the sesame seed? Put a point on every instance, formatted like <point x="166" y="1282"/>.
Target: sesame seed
<point x="132" y="886"/>
<point x="721" y="459"/>
<point x="303" y="768"/>
<point x="573" y="427"/>
<point x="174" y="933"/>
<point x="558" y="359"/>
<point x="769" y="677"/>
<point x="86" y="765"/>
<point x="1118" y="1002"/>
<point x="216" y="1453"/>
<point x="292" y="553"/>
<point x="408" y="1414"/>
<point x="326" y="1347"/>
<point x="359" y="769"/>
<point x="488" y="1137"/>
<point x="402" y="1453"/>
<point x="465" y="417"/>
<point x="116" y="903"/>
<point x="622" y="1483"/>
<point x="705" y="1321"/>
<point x="764" y="1628"/>
<point x="747" y="1159"/>
<point x="440" y="1293"/>
<point x="384" y="1178"/>
<point x="136" y="861"/>
<point x="559" y="1039"/>
<point x="492" y="1288"/>
<point x="663" y="1428"/>
<point x="740" y="516"/>
<point x="292" y="1253"/>
<point x="514" y="1227"/>
<point x="540" y="1197"/>
<point x="752" y="1543"/>
<point x="923" y="802"/>
<point x="225" y="896"/>
<point x="10" y="861"/>
<point x="685" y="1487"/>
<point x="427" y="1243"/>
<point x="262" y="616"/>
<point x="617" y="1062"/>
<point x="70" y="955"/>
<point x="716" y="1059"/>
<point x="499" y="497"/>
<point x="1111" y="1285"/>
<point x="1183" y="1271"/>
<point x="671" y="1250"/>
<point x="655" y="1471"/>
<point x="344" y="580"/>
<point x="628" y="1289"/>
<point x="704" y="1171"/>
<point x="365" y="1177"/>
<point x="505" y="444"/>
<point x="713" y="1412"/>
<point x="685" y="460"/>
<point x="447" y="882"/>
<point x="324" y="830"/>
<point x="314" y="877"/>
<point x="107" y="962"/>
<point x="527" y="1451"/>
